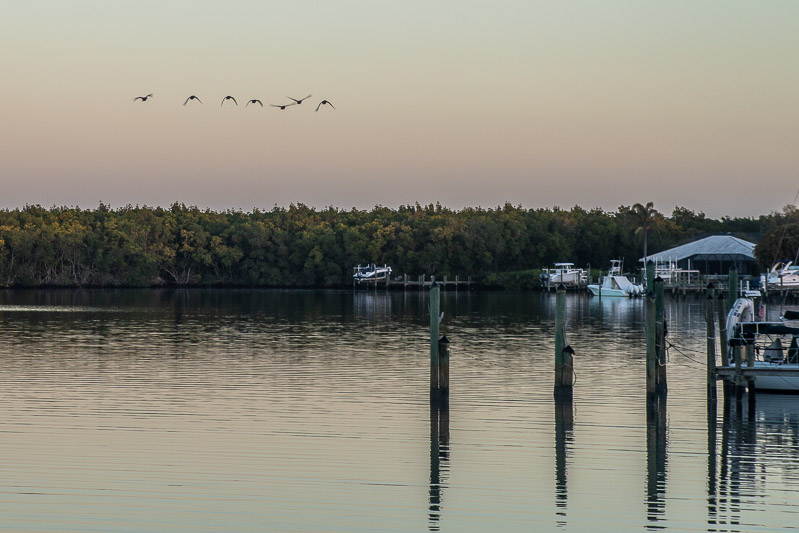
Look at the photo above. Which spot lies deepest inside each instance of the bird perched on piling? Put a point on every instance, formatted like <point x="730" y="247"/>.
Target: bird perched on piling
<point x="300" y="100"/>
<point x="228" y="98"/>
<point x="323" y="102"/>
<point x="254" y="101"/>
<point x="282" y="107"/>
<point x="143" y="98"/>
<point x="192" y="97"/>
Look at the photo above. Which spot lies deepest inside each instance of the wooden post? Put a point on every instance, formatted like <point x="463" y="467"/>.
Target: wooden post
<point x="722" y="311"/>
<point x="443" y="366"/>
<point x="710" y="321"/>
<point x="651" y="353"/>
<point x="660" y="331"/>
<point x="435" y="306"/>
<point x="750" y="362"/>
<point x="739" y="382"/>
<point x="650" y="276"/>
<point x="563" y="374"/>
<point x="732" y="292"/>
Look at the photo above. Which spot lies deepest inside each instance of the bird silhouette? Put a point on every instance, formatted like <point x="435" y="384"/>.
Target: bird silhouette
<point x="143" y="98"/>
<point x="323" y="102"/>
<point x="192" y="97"/>
<point x="254" y="101"/>
<point x="282" y="107"/>
<point x="300" y="100"/>
<point x="229" y="98"/>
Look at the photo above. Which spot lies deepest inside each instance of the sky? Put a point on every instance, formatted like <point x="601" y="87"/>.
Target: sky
<point x="466" y="103"/>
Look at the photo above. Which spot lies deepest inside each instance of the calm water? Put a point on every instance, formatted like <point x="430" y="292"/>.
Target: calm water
<point x="309" y="411"/>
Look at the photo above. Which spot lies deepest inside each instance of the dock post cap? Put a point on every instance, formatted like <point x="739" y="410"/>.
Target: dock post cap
<point x="658" y="280"/>
<point x="710" y="286"/>
<point x="443" y="340"/>
<point x="650" y="294"/>
<point x="650" y="262"/>
<point x="568" y="349"/>
<point x="434" y="284"/>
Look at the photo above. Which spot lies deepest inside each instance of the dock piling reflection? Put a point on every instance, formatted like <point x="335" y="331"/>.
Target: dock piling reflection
<point x="564" y="430"/>
<point x="656" y="462"/>
<point x="439" y="458"/>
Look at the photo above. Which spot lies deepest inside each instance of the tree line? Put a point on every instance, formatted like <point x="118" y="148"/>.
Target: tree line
<point x="300" y="246"/>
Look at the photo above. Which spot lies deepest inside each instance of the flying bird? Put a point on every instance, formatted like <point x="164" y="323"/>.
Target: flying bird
<point x="323" y="102"/>
<point x="192" y="97"/>
<point x="300" y="100"/>
<point x="229" y="98"/>
<point x="143" y="98"/>
<point x="284" y="106"/>
<point x="254" y="101"/>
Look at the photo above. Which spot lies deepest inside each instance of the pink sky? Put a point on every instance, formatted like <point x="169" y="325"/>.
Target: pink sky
<point x="599" y="104"/>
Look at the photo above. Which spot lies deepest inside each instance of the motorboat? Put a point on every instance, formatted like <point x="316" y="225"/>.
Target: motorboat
<point x="783" y="274"/>
<point x="778" y="365"/>
<point x="565" y="274"/>
<point x="370" y="272"/>
<point x="616" y="284"/>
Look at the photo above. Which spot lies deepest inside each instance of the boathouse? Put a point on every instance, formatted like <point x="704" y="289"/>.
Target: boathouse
<point x="711" y="256"/>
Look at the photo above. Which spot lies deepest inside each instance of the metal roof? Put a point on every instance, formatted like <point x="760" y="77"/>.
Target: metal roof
<point x="713" y="248"/>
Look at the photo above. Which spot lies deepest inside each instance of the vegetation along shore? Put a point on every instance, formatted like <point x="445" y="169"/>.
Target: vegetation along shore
<point x="300" y="246"/>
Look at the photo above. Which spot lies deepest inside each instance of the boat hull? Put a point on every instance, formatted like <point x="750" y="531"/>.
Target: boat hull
<point x="787" y="383"/>
<point x="614" y="293"/>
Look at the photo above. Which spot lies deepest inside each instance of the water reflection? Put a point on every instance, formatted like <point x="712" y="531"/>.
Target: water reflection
<point x="439" y="458"/>
<point x="656" y="463"/>
<point x="564" y="428"/>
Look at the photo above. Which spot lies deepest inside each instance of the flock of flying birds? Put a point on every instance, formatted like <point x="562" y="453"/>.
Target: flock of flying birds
<point x="295" y="101"/>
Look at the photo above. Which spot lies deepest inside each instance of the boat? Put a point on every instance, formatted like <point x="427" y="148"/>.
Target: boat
<point x="565" y="274"/>
<point x="370" y="273"/>
<point x="778" y="366"/>
<point x="616" y="284"/>
<point x="783" y="274"/>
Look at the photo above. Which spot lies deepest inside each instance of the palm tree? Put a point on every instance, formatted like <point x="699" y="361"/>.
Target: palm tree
<point x="644" y="217"/>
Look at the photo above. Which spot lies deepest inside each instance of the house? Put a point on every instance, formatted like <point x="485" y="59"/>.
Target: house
<point x="712" y="255"/>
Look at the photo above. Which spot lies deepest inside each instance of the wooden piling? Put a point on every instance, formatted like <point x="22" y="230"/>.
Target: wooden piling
<point x="651" y="353"/>
<point x="435" y="306"/>
<point x="443" y="366"/>
<point x="739" y="381"/>
<point x="563" y="370"/>
<point x="722" y="311"/>
<point x="732" y="289"/>
<point x="710" y="321"/>
<point x="660" y="342"/>
<point x="650" y="276"/>
<point x="750" y="362"/>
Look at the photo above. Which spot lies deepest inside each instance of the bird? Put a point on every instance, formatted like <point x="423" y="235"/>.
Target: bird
<point x="192" y="97"/>
<point x="323" y="102"/>
<point x="254" y="101"/>
<point x="229" y="98"/>
<point x="300" y="100"/>
<point x="142" y="98"/>
<point x="282" y="107"/>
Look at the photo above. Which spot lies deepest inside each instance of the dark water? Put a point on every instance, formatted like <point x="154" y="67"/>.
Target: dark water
<point x="309" y="411"/>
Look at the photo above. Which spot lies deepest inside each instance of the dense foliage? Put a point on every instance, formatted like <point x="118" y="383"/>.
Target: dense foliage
<point x="300" y="246"/>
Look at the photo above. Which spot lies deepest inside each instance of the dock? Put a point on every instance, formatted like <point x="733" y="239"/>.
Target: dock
<point x="421" y="282"/>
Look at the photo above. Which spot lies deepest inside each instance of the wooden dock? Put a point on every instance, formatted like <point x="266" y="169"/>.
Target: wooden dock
<point x="406" y="282"/>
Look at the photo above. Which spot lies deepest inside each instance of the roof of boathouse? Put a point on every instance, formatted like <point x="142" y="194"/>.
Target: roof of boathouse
<point x="713" y="248"/>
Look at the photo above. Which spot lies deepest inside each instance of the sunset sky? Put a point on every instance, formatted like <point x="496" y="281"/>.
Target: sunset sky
<point x="591" y="103"/>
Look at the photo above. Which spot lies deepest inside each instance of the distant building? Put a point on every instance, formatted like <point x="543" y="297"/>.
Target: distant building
<point x="712" y="255"/>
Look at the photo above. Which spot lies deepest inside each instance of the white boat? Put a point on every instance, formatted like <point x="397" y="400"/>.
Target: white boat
<point x="783" y="274"/>
<point x="566" y="274"/>
<point x="780" y="365"/>
<point x="616" y="284"/>
<point x="370" y="273"/>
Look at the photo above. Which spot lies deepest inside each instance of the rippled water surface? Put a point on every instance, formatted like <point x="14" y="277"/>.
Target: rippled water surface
<point x="309" y="411"/>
